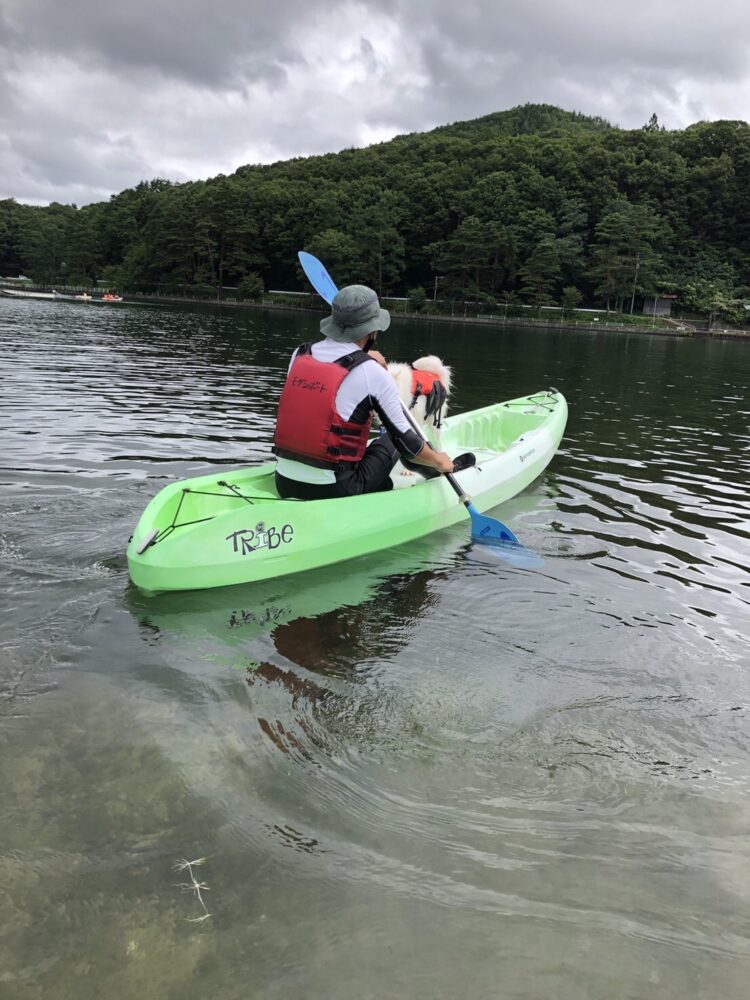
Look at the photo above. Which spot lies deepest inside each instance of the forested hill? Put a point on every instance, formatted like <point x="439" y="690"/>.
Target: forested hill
<point x="520" y="204"/>
<point x="526" y="119"/>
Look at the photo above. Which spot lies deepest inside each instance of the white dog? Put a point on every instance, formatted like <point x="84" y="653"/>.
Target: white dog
<point x="424" y="388"/>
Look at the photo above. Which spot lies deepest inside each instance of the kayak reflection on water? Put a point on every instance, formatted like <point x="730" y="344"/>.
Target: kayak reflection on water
<point x="343" y="644"/>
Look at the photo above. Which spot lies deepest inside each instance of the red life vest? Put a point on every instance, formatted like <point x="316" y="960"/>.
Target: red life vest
<point x="309" y="428"/>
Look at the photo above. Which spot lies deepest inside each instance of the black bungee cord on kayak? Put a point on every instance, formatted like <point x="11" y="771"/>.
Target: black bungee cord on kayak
<point x="535" y="399"/>
<point x="157" y="536"/>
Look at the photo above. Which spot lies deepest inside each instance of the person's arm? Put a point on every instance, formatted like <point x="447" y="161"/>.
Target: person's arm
<point x="387" y="404"/>
<point x="439" y="460"/>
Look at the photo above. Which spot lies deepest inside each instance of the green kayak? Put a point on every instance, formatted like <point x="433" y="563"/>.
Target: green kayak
<point x="231" y="527"/>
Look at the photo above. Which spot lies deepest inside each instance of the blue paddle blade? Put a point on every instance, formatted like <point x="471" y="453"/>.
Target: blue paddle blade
<point x="317" y="275"/>
<point x="489" y="531"/>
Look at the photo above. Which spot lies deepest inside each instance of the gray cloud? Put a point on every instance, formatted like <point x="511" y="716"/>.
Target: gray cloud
<point x="218" y="45"/>
<point x="97" y="95"/>
<point x="622" y="61"/>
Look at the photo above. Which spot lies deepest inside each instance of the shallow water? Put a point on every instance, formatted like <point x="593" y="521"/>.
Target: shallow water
<point x="423" y="774"/>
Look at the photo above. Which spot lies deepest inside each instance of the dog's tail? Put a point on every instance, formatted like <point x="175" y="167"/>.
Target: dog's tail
<point x="435" y="366"/>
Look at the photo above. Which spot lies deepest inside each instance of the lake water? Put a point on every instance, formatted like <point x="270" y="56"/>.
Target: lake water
<point x="420" y="775"/>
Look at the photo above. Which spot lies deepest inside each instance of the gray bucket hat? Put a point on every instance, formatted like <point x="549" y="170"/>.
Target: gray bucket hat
<point x="355" y="312"/>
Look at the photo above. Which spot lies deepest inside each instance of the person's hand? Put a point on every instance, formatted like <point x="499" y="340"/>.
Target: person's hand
<point x="377" y="356"/>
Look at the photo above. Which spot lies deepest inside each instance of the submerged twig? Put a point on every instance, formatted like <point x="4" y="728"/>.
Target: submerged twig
<point x="193" y="885"/>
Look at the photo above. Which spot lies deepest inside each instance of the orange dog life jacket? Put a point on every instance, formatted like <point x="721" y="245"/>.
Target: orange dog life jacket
<point x="428" y="384"/>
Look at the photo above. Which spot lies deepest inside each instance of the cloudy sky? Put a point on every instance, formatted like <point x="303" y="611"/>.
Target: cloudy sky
<point x="96" y="95"/>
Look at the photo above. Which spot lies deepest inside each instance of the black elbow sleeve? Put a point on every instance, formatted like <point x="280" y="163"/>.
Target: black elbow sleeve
<point x="409" y="443"/>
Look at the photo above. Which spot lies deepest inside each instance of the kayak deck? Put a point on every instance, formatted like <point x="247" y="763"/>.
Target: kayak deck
<point x="232" y="527"/>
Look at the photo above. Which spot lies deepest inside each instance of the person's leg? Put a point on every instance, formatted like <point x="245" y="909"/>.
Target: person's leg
<point x="372" y="474"/>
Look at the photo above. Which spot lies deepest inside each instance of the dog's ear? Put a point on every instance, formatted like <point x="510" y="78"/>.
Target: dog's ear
<point x="435" y="401"/>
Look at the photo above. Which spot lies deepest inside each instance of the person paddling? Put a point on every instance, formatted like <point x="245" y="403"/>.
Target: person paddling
<point x="333" y="388"/>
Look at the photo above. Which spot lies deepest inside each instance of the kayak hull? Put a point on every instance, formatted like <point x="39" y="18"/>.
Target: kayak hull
<point x="231" y="527"/>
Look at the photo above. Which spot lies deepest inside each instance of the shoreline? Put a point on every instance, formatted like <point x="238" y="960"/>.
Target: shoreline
<point x="680" y="329"/>
<point x="539" y="324"/>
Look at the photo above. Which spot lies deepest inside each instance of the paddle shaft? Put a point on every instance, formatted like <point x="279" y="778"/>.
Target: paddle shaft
<point x="448" y="475"/>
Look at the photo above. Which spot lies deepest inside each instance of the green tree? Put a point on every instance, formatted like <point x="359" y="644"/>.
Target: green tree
<point x="570" y="300"/>
<point x="82" y="252"/>
<point x="540" y="273"/>
<point x="473" y="257"/>
<point x="10" y="220"/>
<point x="375" y="224"/>
<point x="42" y="242"/>
<point x="571" y="235"/>
<point x="231" y="238"/>
<point x="417" y="299"/>
<point x="340" y="254"/>
<point x="251" y="287"/>
<point x="117" y="231"/>
<point x="625" y="259"/>
<point x="652" y="125"/>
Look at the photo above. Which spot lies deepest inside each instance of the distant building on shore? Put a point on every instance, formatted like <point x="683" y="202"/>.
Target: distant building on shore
<point x="660" y="305"/>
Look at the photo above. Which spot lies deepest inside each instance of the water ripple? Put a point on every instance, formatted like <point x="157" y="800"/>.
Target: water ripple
<point x="420" y="754"/>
